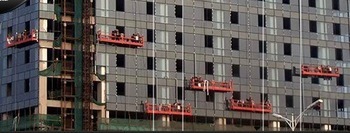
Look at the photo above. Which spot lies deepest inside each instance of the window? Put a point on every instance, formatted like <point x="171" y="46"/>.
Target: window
<point x="50" y="25"/>
<point x="26" y="85"/>
<point x="208" y="14"/>
<point x="313" y="26"/>
<point x="261" y="47"/>
<point x="313" y="51"/>
<point x="120" y="60"/>
<point x="120" y="89"/>
<point x="120" y="5"/>
<point x="208" y="41"/>
<point x="336" y="29"/>
<point x="312" y="3"/>
<point x="178" y="11"/>
<point x="265" y="98"/>
<point x="289" y="101"/>
<point x="335" y="4"/>
<point x="286" y="2"/>
<point x="150" y="92"/>
<point x="150" y="8"/>
<point x="209" y="68"/>
<point x="340" y="105"/>
<point x="151" y="62"/>
<point x="235" y="70"/>
<point x="9" y="30"/>
<point x="261" y="20"/>
<point x="236" y="95"/>
<point x="316" y="107"/>
<point x="150" y="35"/>
<point x="179" y="93"/>
<point x="9" y="61"/>
<point x="263" y="75"/>
<point x="287" y="49"/>
<point x="8" y="89"/>
<point x="178" y="38"/>
<point x="27" y="26"/>
<point x="50" y="1"/>
<point x="286" y="23"/>
<point x="288" y="75"/>
<point x="315" y="81"/>
<point x="178" y="65"/>
<point x="26" y="56"/>
<point x="338" y="54"/>
<point x="210" y="97"/>
<point x="27" y="3"/>
<point x="121" y="29"/>
<point x="340" y="80"/>
<point x="234" y="43"/>
<point x="234" y="18"/>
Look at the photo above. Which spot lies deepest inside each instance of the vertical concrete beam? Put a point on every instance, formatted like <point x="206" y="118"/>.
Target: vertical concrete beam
<point x="4" y="116"/>
<point x="220" y="121"/>
<point x="42" y="83"/>
<point x="274" y="125"/>
<point x="326" y="127"/>
<point x="165" y="120"/>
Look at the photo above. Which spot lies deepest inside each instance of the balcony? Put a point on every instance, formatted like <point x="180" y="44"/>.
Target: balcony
<point x="22" y="39"/>
<point x="249" y="106"/>
<point x="197" y="83"/>
<point x="168" y="109"/>
<point x="319" y="71"/>
<point x="120" y="40"/>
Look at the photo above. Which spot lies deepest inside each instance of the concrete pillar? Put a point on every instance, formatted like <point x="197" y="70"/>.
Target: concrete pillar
<point x="4" y="116"/>
<point x="326" y="128"/>
<point x="165" y="120"/>
<point x="275" y="125"/>
<point x="42" y="84"/>
<point x="220" y="121"/>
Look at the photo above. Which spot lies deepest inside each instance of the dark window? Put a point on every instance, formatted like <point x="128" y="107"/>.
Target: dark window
<point x="8" y="89"/>
<point x="315" y="81"/>
<point x="340" y="80"/>
<point x="265" y="98"/>
<point x="289" y="101"/>
<point x="50" y="25"/>
<point x="312" y="3"/>
<point x="316" y="107"/>
<point x="338" y="54"/>
<point x="288" y="75"/>
<point x="120" y="5"/>
<point x="234" y="17"/>
<point x="286" y="23"/>
<point x="236" y="95"/>
<point x="27" y="26"/>
<point x="9" y="61"/>
<point x="235" y="43"/>
<point x="120" y="60"/>
<point x="261" y="20"/>
<point x="50" y="1"/>
<point x="27" y="3"/>
<point x="178" y="11"/>
<point x="287" y="49"/>
<point x="178" y="65"/>
<point x="336" y="29"/>
<point x="150" y="35"/>
<point x="26" y="85"/>
<point x="150" y="8"/>
<point x="178" y="38"/>
<point x="335" y="4"/>
<point x="286" y="2"/>
<point x="263" y="75"/>
<point x="151" y="63"/>
<point x="313" y="51"/>
<point x="210" y="97"/>
<point x="313" y="26"/>
<point x="121" y="29"/>
<point x="179" y="93"/>
<point x="208" y="41"/>
<point x="209" y="68"/>
<point x="340" y="105"/>
<point x="150" y="92"/>
<point x="208" y="14"/>
<point x="262" y="47"/>
<point x="235" y="70"/>
<point x="26" y="56"/>
<point x="120" y="89"/>
<point x="9" y="30"/>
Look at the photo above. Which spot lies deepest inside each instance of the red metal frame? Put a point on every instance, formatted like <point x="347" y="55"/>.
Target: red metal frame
<point x="167" y="109"/>
<point x="27" y="38"/>
<point x="320" y="71"/>
<point x="120" y="40"/>
<point x="249" y="106"/>
<point x="197" y="83"/>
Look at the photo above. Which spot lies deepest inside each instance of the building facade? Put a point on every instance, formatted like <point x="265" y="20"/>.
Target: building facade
<point x="259" y="49"/>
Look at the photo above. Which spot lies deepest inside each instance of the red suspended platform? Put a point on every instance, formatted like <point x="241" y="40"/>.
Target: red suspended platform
<point x="168" y="109"/>
<point x="22" y="38"/>
<point x="120" y="39"/>
<point x="319" y="71"/>
<point x="249" y="106"/>
<point x="197" y="83"/>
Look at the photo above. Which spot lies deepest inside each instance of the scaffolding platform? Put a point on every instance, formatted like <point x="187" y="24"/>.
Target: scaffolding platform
<point x="319" y="71"/>
<point x="22" y="38"/>
<point x="249" y="106"/>
<point x="197" y="83"/>
<point x="168" y="109"/>
<point x="121" y="40"/>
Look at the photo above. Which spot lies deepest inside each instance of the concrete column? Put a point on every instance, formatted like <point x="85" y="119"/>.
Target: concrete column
<point x="165" y="120"/>
<point x="220" y="121"/>
<point x="326" y="127"/>
<point x="275" y="125"/>
<point x="42" y="84"/>
<point x="4" y="116"/>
